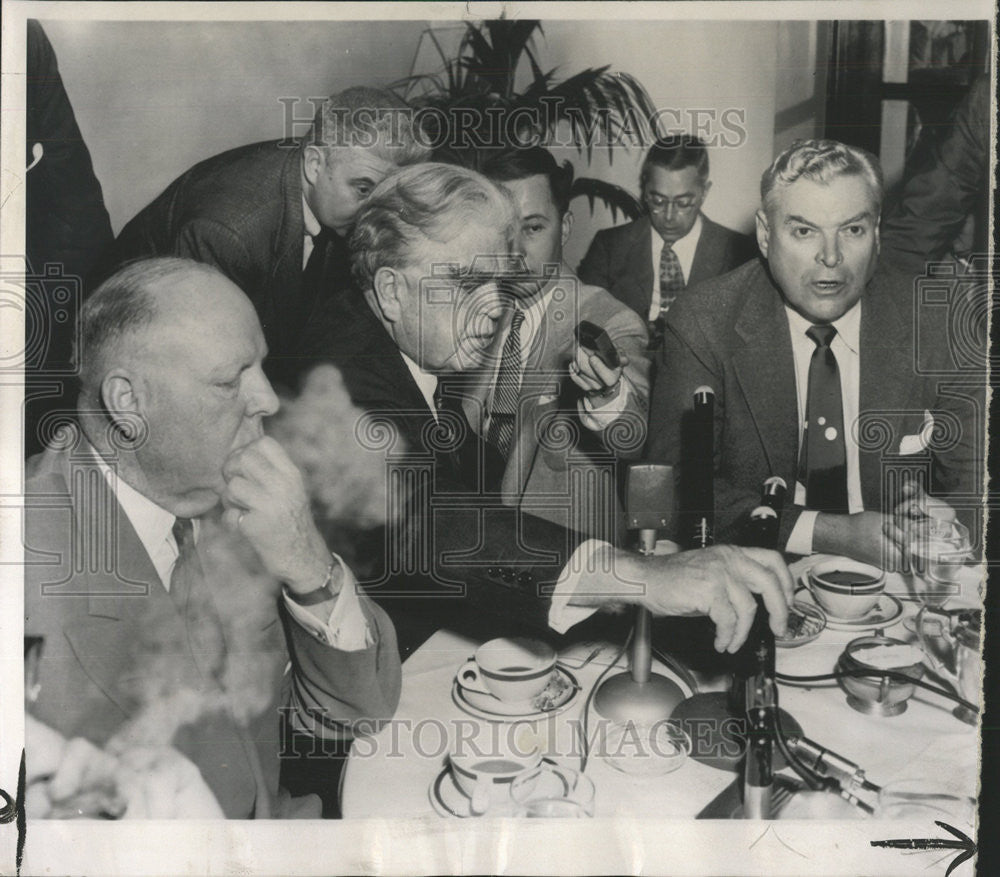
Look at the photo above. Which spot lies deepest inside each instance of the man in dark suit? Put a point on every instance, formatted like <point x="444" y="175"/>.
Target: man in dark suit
<point x="160" y="616"/>
<point x="817" y="372"/>
<point x="274" y="216"/>
<point x="427" y="247"/>
<point x="647" y="263"/>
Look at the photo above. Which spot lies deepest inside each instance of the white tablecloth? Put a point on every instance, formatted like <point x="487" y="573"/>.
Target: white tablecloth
<point x="390" y="775"/>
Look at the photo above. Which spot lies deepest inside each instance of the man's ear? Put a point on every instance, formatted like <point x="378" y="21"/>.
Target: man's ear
<point x="388" y="285"/>
<point x="567" y="226"/>
<point x="763" y="232"/>
<point x="704" y="189"/>
<point x="122" y="400"/>
<point x="878" y="234"/>
<point x="313" y="163"/>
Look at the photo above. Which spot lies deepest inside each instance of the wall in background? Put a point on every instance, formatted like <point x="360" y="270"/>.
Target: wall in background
<point x="154" y="98"/>
<point x="724" y="70"/>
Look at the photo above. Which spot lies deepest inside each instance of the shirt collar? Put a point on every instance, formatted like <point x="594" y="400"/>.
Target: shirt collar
<point x="152" y="523"/>
<point x="848" y="326"/>
<point x="682" y="246"/>
<point x="309" y="220"/>
<point x="426" y="382"/>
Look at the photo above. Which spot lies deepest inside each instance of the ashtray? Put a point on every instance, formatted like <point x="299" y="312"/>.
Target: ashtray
<point x="875" y="694"/>
<point x="806" y="621"/>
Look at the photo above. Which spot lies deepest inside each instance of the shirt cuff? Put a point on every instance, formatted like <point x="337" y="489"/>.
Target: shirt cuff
<point x="562" y="616"/>
<point x="598" y="419"/>
<point x="346" y="628"/>
<point x="801" y="539"/>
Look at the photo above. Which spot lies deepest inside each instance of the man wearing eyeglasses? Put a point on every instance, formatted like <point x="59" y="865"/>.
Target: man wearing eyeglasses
<point x="649" y="261"/>
<point x="431" y="256"/>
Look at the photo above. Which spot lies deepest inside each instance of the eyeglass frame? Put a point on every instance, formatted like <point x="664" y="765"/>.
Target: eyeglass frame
<point x="650" y="199"/>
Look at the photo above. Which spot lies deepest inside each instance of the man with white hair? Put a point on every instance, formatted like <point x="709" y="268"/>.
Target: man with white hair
<point x="157" y="532"/>
<point x="430" y="247"/>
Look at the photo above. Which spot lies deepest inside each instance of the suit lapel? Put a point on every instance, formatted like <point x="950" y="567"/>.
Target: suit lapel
<point x="286" y="271"/>
<point x="637" y="271"/>
<point x="886" y="378"/>
<point x="765" y="369"/>
<point x="708" y="254"/>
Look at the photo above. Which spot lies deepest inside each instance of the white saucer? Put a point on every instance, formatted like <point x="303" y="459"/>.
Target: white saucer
<point x="447" y="799"/>
<point x="884" y="613"/>
<point x="486" y="706"/>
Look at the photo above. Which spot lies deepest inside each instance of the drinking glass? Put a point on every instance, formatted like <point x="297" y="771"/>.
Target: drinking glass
<point x="937" y="551"/>
<point x="553" y="791"/>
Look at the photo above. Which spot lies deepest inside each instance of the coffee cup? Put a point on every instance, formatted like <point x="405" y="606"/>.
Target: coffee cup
<point x="512" y="669"/>
<point x="846" y="589"/>
<point x="485" y="773"/>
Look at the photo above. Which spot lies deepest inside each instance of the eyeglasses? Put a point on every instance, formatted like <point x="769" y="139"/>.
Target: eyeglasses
<point x="658" y="204"/>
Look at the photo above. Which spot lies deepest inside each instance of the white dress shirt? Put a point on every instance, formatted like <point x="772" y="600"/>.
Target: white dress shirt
<point x="312" y="228"/>
<point x="346" y="628"/>
<point x="846" y="348"/>
<point x="684" y="248"/>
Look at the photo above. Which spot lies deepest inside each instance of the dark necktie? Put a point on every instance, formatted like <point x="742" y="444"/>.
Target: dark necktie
<point x="507" y="389"/>
<point x="312" y="275"/>
<point x="180" y="576"/>
<point x="824" y="451"/>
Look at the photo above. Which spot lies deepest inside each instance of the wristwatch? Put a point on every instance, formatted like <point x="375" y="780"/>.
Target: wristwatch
<point x="319" y="595"/>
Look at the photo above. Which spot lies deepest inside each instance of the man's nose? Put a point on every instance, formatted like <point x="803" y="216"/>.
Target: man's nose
<point x="670" y="209"/>
<point x="261" y="398"/>
<point x="829" y="254"/>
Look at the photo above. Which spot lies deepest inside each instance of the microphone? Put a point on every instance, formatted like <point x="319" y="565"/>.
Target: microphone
<point x="754" y="679"/>
<point x="701" y="468"/>
<point x="641" y="695"/>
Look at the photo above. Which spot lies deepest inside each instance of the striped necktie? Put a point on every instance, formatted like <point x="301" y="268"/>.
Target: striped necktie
<point x="508" y="386"/>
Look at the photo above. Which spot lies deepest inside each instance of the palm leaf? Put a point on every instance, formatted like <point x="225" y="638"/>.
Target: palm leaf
<point x="614" y="197"/>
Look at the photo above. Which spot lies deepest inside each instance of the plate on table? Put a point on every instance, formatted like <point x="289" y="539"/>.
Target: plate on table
<point x="447" y="799"/>
<point x="886" y="611"/>
<point x="559" y="694"/>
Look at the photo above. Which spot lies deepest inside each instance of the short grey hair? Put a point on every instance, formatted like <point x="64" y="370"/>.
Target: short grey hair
<point x="822" y="161"/>
<point x="122" y="305"/>
<point x="421" y="202"/>
<point x="369" y="118"/>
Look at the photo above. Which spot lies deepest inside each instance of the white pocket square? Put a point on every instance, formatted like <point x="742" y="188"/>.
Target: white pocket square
<point x="915" y="444"/>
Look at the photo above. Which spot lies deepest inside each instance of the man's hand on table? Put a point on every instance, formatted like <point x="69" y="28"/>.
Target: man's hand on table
<point x="718" y="582"/>
<point x="866" y="536"/>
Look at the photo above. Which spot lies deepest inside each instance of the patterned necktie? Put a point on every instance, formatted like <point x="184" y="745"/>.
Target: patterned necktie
<point x="508" y="385"/>
<point x="671" y="278"/>
<point x="824" y="452"/>
<point x="180" y="576"/>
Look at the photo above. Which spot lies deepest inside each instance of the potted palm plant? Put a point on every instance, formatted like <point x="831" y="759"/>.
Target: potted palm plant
<point x="473" y="104"/>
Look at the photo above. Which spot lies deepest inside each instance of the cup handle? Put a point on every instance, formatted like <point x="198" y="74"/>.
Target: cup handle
<point x="480" y="802"/>
<point x="468" y="677"/>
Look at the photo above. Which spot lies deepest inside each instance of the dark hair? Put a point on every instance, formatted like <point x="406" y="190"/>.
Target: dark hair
<point x="674" y="153"/>
<point x="519" y="164"/>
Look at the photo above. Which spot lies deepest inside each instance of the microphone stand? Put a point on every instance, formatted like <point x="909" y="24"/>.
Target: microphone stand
<point x="640" y="695"/>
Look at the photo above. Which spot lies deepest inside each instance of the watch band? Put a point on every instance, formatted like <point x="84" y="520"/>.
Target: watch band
<point x="322" y="593"/>
<point x="311" y="598"/>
